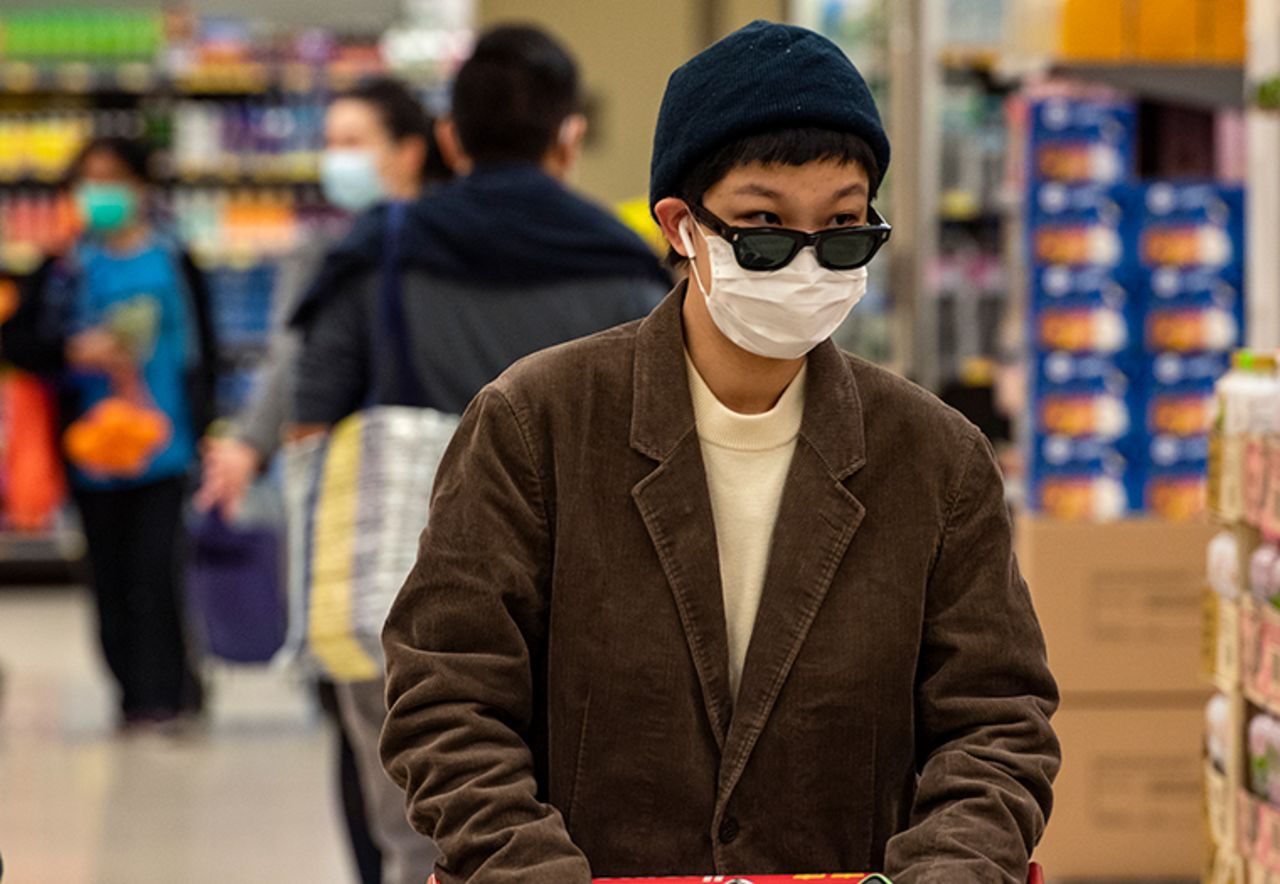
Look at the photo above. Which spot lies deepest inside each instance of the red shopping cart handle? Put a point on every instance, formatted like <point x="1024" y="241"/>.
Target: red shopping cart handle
<point x="1035" y="877"/>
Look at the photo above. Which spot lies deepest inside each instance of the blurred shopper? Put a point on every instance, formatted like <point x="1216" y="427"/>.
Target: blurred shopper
<point x="121" y="325"/>
<point x="494" y="266"/>
<point x="703" y="594"/>
<point x="379" y="147"/>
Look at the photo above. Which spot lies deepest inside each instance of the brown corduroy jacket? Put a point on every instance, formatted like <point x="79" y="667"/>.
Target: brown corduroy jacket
<point x="557" y="661"/>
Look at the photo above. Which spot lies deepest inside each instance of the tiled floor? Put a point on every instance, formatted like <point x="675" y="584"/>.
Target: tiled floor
<point x="249" y="801"/>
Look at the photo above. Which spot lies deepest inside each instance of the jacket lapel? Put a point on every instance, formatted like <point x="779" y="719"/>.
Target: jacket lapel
<point x="674" y="502"/>
<point x="817" y="519"/>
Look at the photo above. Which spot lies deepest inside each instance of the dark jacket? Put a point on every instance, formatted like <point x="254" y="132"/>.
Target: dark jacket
<point x="488" y="269"/>
<point x="557" y="661"/>
<point x="35" y="337"/>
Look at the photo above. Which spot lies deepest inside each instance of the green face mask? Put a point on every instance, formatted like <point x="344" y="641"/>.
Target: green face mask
<point x="105" y="208"/>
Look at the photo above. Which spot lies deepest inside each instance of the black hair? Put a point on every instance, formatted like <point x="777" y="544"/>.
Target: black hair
<point x="514" y="93"/>
<point x="780" y="147"/>
<point x="134" y="155"/>
<point x="403" y="116"/>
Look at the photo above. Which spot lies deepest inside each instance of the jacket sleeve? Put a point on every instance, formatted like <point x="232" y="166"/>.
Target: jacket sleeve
<point x="987" y="754"/>
<point x="263" y="420"/>
<point x="459" y="644"/>
<point x="205" y="379"/>
<point x="28" y="340"/>
<point x="334" y="367"/>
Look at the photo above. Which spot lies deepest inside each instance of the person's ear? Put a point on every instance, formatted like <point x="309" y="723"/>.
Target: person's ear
<point x="451" y="150"/>
<point x="406" y="160"/>
<point x="671" y="213"/>
<point x="561" y="158"/>
<point x="573" y="134"/>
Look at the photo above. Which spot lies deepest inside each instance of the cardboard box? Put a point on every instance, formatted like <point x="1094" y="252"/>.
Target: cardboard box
<point x="1094" y="30"/>
<point x="1120" y="603"/>
<point x="1130" y="801"/>
<point x="1168" y="30"/>
<point x="1222" y="30"/>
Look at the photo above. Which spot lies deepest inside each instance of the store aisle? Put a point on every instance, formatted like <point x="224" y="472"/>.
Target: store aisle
<point x="248" y="801"/>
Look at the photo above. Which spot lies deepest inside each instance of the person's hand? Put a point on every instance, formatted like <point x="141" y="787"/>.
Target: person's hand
<point x="229" y="468"/>
<point x="99" y="350"/>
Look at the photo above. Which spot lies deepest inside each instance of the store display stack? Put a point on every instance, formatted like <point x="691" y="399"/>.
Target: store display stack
<point x="1134" y="297"/>
<point x="1242" y="625"/>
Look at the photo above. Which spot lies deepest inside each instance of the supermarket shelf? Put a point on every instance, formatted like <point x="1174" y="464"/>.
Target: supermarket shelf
<point x="140" y="78"/>
<point x="61" y="546"/>
<point x="1194" y="84"/>
<point x="205" y="179"/>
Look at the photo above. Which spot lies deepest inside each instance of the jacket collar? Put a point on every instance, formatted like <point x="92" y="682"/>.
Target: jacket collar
<point x="662" y="409"/>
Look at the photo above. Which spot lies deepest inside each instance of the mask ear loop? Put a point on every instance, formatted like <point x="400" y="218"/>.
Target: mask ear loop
<point x="688" y="247"/>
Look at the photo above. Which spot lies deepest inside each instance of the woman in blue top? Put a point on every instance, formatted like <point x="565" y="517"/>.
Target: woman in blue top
<point x="125" y="313"/>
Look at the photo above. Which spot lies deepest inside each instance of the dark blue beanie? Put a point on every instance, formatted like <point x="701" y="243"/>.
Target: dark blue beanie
<point x="761" y="78"/>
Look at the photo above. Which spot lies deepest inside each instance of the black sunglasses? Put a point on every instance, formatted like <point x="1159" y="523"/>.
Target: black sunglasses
<point x="769" y="248"/>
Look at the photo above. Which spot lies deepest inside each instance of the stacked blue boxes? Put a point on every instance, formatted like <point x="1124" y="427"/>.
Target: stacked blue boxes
<point x="1190" y="247"/>
<point x="1135" y="301"/>
<point x="1085" y="311"/>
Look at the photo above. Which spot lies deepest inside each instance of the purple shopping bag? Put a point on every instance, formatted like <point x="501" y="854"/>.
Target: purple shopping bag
<point x="235" y="588"/>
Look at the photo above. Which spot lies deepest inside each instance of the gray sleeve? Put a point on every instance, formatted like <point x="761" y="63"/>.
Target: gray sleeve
<point x="263" y="419"/>
<point x="333" y="372"/>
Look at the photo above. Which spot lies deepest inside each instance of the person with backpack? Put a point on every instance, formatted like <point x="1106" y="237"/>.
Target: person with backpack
<point x="120" y="324"/>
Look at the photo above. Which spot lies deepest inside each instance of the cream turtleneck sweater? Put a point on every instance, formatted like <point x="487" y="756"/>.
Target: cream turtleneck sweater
<point x="747" y="457"/>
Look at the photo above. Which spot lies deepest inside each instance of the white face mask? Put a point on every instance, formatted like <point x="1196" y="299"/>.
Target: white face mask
<point x="779" y="314"/>
<point x="349" y="179"/>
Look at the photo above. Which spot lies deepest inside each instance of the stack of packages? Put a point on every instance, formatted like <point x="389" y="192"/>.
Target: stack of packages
<point x="1135" y="301"/>
<point x="1084" y="309"/>
<point x="1134" y="306"/>
<point x="1242" y="628"/>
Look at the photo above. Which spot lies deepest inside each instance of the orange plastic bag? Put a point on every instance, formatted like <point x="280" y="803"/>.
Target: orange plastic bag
<point x="35" y="484"/>
<point x="117" y="438"/>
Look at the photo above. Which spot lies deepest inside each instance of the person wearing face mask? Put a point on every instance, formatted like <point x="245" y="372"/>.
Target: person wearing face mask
<point x="703" y="595"/>
<point x="379" y="148"/>
<point x="124" y="315"/>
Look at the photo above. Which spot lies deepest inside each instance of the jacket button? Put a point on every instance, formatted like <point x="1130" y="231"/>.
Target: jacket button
<point x="729" y="830"/>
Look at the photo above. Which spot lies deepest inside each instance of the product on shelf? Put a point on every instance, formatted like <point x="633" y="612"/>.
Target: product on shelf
<point x="1218" y="730"/>
<point x="1247" y="401"/>
<point x="86" y="35"/>
<point x="1224" y="565"/>
<point x="1079" y="141"/>
<point x="1264" y="757"/>
<point x="1263" y="573"/>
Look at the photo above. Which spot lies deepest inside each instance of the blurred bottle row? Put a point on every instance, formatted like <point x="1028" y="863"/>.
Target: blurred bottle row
<point x="221" y="225"/>
<point x="260" y="139"/>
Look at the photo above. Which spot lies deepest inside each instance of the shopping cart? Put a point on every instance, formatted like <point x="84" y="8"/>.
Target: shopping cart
<point x="1035" y="877"/>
